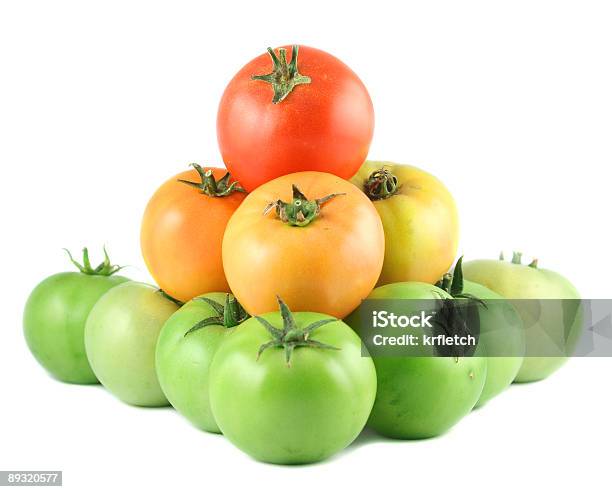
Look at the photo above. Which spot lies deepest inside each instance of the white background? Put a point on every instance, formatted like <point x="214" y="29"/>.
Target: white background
<point x="509" y="103"/>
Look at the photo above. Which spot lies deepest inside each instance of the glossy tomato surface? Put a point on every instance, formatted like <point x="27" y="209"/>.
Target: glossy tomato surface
<point x="120" y="338"/>
<point x="552" y="322"/>
<point x="181" y="235"/>
<point x="420" y="396"/>
<point x="324" y="125"/>
<point x="420" y="220"/>
<point x="294" y="413"/>
<point x="54" y="322"/>
<point x="183" y="359"/>
<point x="502" y="336"/>
<point x="327" y="266"/>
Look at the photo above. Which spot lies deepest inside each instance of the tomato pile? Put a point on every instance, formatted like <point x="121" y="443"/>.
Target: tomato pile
<point x="262" y="266"/>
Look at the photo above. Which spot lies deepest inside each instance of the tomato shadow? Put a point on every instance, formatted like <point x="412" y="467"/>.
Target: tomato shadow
<point x="369" y="436"/>
<point x="98" y="389"/>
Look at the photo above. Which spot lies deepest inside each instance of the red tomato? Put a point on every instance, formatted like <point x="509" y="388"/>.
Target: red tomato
<point x="280" y="116"/>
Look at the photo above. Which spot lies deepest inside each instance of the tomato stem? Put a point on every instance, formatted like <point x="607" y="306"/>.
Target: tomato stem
<point x="445" y="282"/>
<point x="300" y="211"/>
<point x="454" y="314"/>
<point x="229" y="314"/>
<point x="284" y="77"/>
<point x="211" y="187"/>
<point x="517" y="258"/>
<point x="452" y="283"/>
<point x="291" y="336"/>
<point x="105" y="269"/>
<point x="381" y="184"/>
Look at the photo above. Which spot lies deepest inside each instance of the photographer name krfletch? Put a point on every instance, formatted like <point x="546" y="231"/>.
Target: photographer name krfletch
<point x="385" y="319"/>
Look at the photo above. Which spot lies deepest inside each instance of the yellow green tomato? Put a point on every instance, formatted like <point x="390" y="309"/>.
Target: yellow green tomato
<point x="55" y="314"/>
<point x="419" y="217"/>
<point x="552" y="321"/>
<point x="291" y="388"/>
<point x="185" y="349"/>
<point x="120" y="338"/>
<point x="420" y="396"/>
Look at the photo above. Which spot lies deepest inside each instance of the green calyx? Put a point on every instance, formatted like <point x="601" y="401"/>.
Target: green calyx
<point x="453" y="318"/>
<point x="381" y="184"/>
<point x="105" y="269"/>
<point x="228" y="315"/>
<point x="208" y="185"/>
<point x="292" y="336"/>
<point x="452" y="283"/>
<point x="300" y="211"/>
<point x="517" y="259"/>
<point x="284" y="76"/>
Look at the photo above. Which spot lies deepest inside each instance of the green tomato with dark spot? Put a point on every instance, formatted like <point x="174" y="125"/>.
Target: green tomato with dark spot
<point x="498" y="325"/>
<point x="120" y="338"/>
<point x="185" y="349"/>
<point x="55" y="314"/>
<point x="501" y="335"/>
<point x="291" y="388"/>
<point x="552" y="318"/>
<point x="420" y="396"/>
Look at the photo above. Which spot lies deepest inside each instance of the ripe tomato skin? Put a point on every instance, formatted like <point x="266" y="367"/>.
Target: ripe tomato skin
<point x="421" y="224"/>
<point x="183" y="361"/>
<point x="422" y="396"/>
<point x="325" y="125"/>
<point x="181" y="235"/>
<point x="328" y="266"/>
<point x="294" y="414"/>
<point x="515" y="282"/>
<point x="120" y="338"/>
<point x="54" y="322"/>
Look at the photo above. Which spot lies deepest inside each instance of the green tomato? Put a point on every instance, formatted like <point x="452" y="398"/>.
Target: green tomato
<point x="423" y="396"/>
<point x="557" y="317"/>
<point x="120" y="338"/>
<point x="306" y="397"/>
<point x="185" y="349"/>
<point x="55" y="314"/>
<point x="501" y="332"/>
<point x="409" y="290"/>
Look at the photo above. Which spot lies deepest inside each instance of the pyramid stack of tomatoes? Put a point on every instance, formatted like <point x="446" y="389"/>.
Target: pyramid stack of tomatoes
<point x="257" y="266"/>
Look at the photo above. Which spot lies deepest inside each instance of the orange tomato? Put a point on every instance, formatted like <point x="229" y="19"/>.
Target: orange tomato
<point x="182" y="231"/>
<point x="318" y="251"/>
<point x="420" y="220"/>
